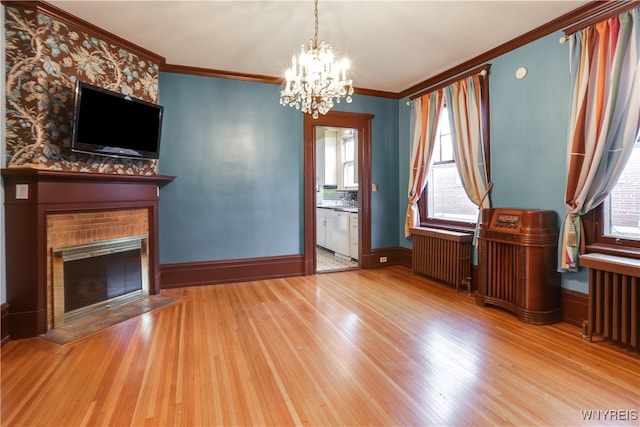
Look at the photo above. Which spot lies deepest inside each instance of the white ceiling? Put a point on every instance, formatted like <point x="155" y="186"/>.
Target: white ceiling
<point x="392" y="45"/>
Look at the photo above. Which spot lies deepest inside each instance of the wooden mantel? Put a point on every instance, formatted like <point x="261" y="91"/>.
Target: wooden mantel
<point x="32" y="194"/>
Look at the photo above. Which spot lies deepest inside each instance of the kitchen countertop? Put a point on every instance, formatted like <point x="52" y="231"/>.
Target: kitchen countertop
<point x="352" y="209"/>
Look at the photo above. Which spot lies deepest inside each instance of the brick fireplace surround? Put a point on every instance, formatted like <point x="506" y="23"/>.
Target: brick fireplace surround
<point x="71" y="230"/>
<point x="89" y="207"/>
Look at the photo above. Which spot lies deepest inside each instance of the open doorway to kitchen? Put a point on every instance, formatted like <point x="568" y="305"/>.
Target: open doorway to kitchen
<point x="352" y="128"/>
<point x="337" y="206"/>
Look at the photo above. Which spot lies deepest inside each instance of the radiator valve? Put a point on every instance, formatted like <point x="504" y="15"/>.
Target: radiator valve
<point x="585" y="330"/>
<point x="466" y="282"/>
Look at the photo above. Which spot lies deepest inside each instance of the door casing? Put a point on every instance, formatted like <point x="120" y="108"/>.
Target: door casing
<point x="359" y="121"/>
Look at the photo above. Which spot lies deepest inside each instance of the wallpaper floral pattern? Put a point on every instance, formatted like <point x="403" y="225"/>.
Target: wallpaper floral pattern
<point x="44" y="59"/>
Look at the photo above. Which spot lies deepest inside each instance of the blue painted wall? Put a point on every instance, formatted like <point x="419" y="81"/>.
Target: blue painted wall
<point x="238" y="163"/>
<point x="529" y="124"/>
<point x="528" y="131"/>
<point x="237" y="155"/>
<point x="529" y="127"/>
<point x="238" y="158"/>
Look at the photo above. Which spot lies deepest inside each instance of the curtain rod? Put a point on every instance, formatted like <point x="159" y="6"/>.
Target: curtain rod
<point x="616" y="9"/>
<point x="478" y="70"/>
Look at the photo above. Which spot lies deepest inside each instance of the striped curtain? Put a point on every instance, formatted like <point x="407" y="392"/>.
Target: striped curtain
<point x="604" y="121"/>
<point x="467" y="118"/>
<point x="425" y="115"/>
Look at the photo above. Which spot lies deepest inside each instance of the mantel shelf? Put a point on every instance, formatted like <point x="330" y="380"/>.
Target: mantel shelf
<point x="34" y="174"/>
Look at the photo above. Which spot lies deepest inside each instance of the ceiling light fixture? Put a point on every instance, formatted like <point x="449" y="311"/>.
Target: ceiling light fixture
<point x="316" y="78"/>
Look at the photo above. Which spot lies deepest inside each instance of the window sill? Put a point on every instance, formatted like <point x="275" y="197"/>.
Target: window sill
<point x="625" y="252"/>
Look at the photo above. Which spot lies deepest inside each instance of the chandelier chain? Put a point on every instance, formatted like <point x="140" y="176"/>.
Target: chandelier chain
<point x="315" y="37"/>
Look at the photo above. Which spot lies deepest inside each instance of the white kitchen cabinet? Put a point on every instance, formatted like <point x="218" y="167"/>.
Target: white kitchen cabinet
<point x="335" y="226"/>
<point x="338" y="232"/>
<point x="321" y="226"/>
<point x="333" y="230"/>
<point x="353" y="235"/>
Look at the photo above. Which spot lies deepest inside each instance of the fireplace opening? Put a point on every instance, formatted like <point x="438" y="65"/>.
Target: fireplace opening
<point x="91" y="280"/>
<point x="94" y="276"/>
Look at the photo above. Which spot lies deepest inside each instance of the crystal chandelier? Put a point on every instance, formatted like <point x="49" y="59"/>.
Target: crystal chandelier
<point x="316" y="78"/>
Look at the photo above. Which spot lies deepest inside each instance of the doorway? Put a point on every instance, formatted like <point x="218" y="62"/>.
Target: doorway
<point x="337" y="206"/>
<point x="361" y="125"/>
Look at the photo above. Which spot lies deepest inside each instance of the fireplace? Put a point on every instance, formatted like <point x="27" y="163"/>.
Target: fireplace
<point x="96" y="251"/>
<point x="90" y="277"/>
<point x="47" y="210"/>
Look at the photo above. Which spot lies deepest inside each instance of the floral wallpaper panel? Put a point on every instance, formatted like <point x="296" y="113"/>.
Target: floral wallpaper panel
<point x="44" y="59"/>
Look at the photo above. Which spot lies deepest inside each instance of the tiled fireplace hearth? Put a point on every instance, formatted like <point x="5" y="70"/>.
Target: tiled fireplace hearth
<point x="50" y="215"/>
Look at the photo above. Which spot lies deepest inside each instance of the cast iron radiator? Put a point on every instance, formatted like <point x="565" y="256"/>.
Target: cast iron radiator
<point x="613" y="298"/>
<point x="442" y="255"/>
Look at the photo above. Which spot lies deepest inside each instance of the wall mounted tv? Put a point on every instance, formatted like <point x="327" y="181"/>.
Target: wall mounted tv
<point x="111" y="124"/>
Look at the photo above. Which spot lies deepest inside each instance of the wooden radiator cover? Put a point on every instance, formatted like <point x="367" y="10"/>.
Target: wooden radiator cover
<point x="517" y="256"/>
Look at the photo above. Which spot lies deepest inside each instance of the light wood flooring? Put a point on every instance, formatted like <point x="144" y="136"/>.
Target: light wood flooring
<point x="360" y="347"/>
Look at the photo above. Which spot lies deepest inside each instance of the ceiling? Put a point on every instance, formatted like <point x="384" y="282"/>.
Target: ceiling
<point x="392" y="45"/>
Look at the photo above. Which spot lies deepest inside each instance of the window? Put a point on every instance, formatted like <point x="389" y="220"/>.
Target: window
<point x="614" y="226"/>
<point x="338" y="158"/>
<point x="622" y="207"/>
<point x="444" y="199"/>
<point x="349" y="155"/>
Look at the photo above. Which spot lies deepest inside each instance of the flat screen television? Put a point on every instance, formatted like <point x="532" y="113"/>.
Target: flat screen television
<point x="112" y="124"/>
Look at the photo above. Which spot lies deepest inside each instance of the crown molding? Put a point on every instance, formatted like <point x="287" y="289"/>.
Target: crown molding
<point x="585" y="11"/>
<point x="582" y="13"/>
<point x="255" y="78"/>
<point x="208" y="72"/>
<point x="614" y="8"/>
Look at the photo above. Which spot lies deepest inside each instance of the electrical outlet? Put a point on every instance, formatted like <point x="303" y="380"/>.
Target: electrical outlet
<point x="383" y="259"/>
<point x="22" y="191"/>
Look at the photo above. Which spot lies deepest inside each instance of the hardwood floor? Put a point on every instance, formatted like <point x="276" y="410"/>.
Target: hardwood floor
<point x="361" y="347"/>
